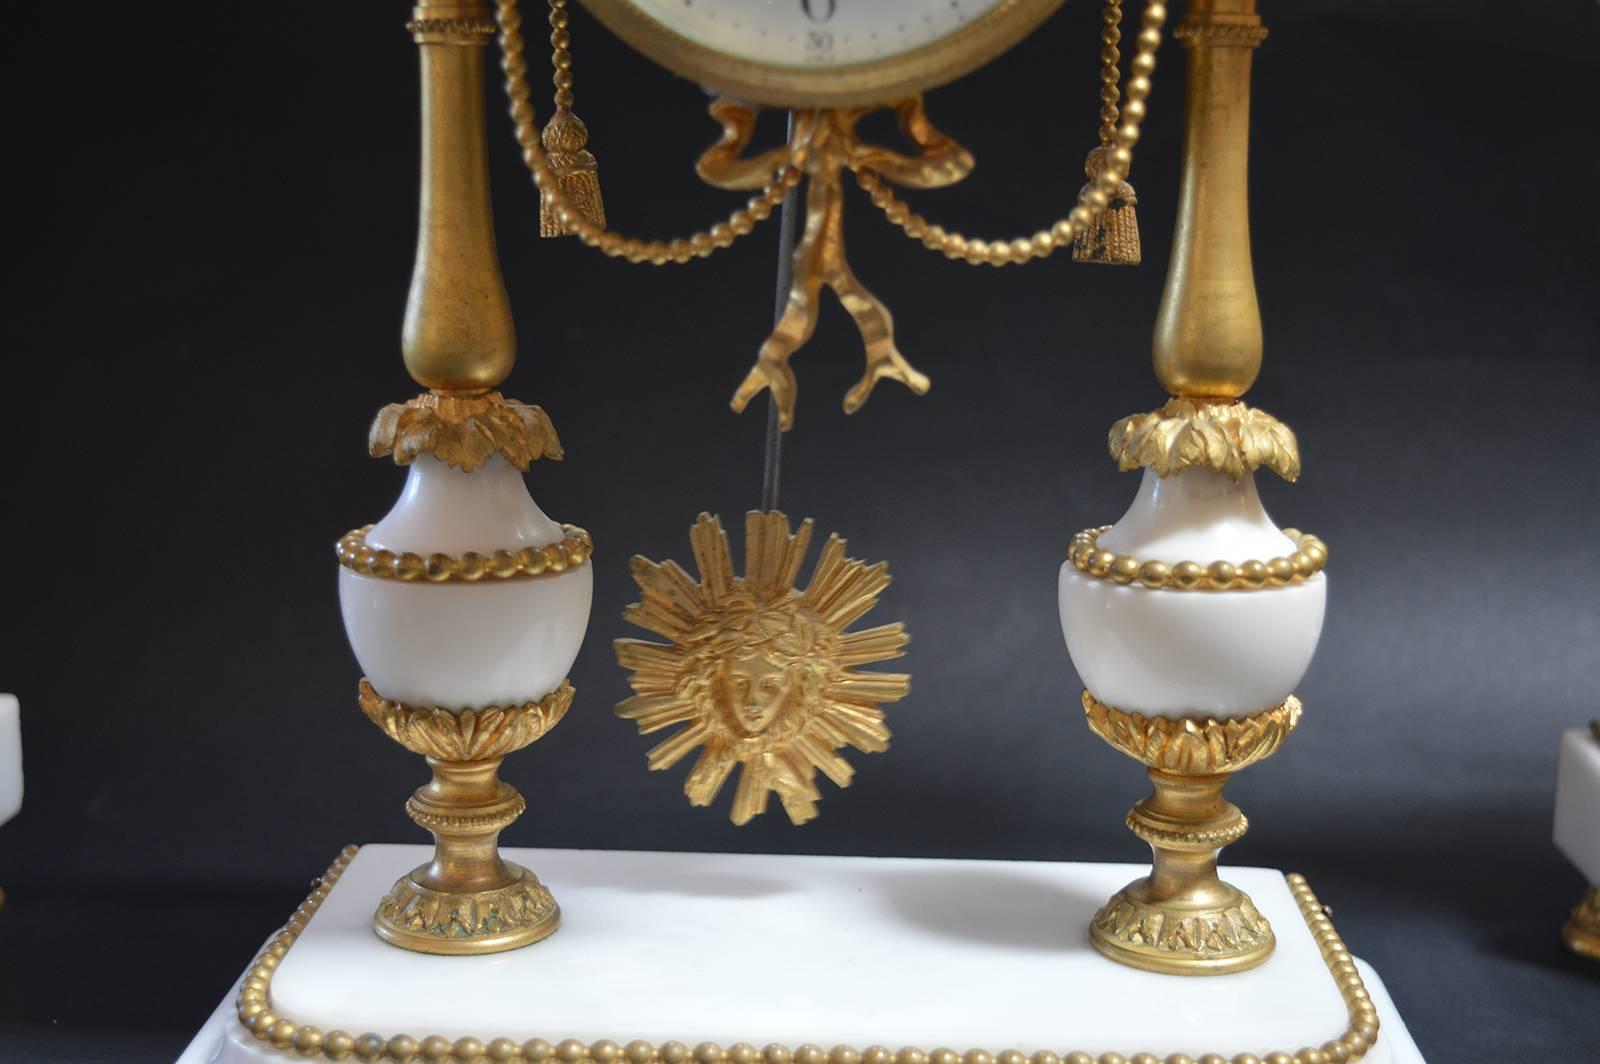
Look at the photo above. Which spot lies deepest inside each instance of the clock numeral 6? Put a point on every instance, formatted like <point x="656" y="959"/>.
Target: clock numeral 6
<point x="819" y="10"/>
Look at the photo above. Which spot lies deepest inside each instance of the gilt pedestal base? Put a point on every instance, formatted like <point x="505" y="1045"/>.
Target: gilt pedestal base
<point x="416" y="917"/>
<point x="1221" y="929"/>
<point x="466" y="900"/>
<point x="668" y="948"/>
<point x="1182" y="918"/>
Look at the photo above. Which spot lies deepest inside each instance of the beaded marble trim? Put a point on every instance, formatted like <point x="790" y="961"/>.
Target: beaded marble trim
<point x="1309" y="558"/>
<point x="254" y="1009"/>
<point x="572" y="551"/>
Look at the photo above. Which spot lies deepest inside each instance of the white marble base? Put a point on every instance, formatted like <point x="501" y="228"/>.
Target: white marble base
<point x="1577" y="828"/>
<point x="795" y="950"/>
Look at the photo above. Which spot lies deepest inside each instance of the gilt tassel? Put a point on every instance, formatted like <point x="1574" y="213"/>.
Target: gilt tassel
<point x="1113" y="238"/>
<point x="565" y="140"/>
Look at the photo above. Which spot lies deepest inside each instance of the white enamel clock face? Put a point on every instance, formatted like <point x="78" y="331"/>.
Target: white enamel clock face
<point x="818" y="32"/>
<point x="799" y="53"/>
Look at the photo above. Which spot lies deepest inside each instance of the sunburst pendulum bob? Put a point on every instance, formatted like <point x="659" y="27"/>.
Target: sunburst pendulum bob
<point x="758" y="674"/>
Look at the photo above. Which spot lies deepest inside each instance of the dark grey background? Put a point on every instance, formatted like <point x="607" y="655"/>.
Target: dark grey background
<point x="214" y="245"/>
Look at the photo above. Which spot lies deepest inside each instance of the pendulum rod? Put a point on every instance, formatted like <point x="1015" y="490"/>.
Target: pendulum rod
<point x="772" y="456"/>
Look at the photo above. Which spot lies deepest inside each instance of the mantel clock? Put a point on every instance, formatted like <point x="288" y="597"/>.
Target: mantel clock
<point x="760" y="673"/>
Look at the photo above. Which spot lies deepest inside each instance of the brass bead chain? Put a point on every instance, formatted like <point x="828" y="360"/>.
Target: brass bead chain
<point x="254" y="1010"/>
<point x="1091" y="202"/>
<point x="1110" y="74"/>
<point x="561" y="54"/>
<point x="657" y="252"/>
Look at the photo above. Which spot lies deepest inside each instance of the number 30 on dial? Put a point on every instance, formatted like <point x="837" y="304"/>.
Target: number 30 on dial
<point x="821" y="53"/>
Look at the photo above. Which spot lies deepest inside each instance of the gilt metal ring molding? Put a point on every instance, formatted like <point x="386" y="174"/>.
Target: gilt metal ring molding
<point x="1193" y="746"/>
<point x="465" y="734"/>
<point x="452" y="30"/>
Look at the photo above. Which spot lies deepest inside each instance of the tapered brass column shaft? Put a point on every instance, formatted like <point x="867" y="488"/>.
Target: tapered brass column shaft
<point x="458" y="335"/>
<point x="1208" y="330"/>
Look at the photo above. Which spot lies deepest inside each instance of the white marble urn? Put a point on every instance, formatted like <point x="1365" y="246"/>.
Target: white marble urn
<point x="1206" y="653"/>
<point x="454" y="644"/>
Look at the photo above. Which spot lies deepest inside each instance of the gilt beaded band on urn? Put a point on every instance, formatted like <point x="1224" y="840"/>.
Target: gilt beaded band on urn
<point x="572" y="551"/>
<point x="1308" y="559"/>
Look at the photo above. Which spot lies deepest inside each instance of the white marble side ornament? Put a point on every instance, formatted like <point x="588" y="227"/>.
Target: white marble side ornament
<point x="10" y="762"/>
<point x="1577" y="821"/>
<point x="1577" y="831"/>
<point x="10" y="757"/>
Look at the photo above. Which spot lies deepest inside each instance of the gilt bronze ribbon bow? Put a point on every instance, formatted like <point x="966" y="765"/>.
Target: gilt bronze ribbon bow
<point x="823" y="145"/>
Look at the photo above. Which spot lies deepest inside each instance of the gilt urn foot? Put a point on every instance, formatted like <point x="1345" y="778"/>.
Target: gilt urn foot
<point x="456" y="922"/>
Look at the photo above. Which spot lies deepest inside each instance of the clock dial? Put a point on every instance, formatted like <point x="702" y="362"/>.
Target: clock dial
<point x="821" y="52"/>
<point x="814" y="32"/>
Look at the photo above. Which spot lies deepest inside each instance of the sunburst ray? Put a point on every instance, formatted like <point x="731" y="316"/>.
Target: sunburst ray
<point x="671" y="750"/>
<point x="758" y="674"/>
<point x="870" y="645"/>
<point x="710" y="546"/>
<point x="670" y="600"/>
<point x="652" y="713"/>
<point x="709" y="774"/>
